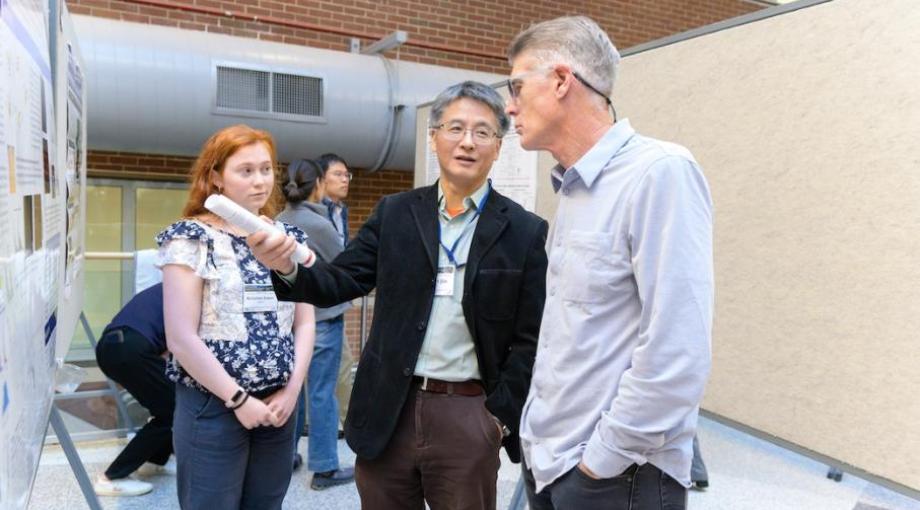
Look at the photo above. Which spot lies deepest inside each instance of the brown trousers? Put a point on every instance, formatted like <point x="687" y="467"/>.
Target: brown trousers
<point x="444" y="451"/>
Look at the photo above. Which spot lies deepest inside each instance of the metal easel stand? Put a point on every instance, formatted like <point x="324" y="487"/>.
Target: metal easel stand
<point x="86" y="486"/>
<point x="113" y="389"/>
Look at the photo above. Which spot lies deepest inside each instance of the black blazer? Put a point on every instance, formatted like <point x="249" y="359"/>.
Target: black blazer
<point x="396" y="252"/>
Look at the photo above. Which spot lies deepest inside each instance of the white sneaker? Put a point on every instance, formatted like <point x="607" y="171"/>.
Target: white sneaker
<point x="151" y="469"/>
<point x="121" y="487"/>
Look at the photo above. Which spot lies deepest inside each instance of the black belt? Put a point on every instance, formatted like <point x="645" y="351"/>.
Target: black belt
<point x="469" y="388"/>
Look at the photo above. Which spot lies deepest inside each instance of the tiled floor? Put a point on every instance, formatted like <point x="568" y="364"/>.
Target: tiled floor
<point x="745" y="473"/>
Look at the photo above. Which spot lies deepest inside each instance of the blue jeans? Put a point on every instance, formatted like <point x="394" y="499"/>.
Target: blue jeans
<point x="220" y="464"/>
<point x="322" y="453"/>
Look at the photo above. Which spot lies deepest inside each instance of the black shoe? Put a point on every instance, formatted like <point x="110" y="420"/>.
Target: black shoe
<point x="341" y="434"/>
<point x="699" y="484"/>
<point x="298" y="461"/>
<point x="332" y="478"/>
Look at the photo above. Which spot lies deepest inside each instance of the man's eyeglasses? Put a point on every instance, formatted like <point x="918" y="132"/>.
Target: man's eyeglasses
<point x="514" y="87"/>
<point x="341" y="175"/>
<point x="515" y="83"/>
<point x="455" y="132"/>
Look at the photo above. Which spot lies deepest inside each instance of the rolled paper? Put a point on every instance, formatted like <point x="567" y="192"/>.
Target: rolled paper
<point x="239" y="217"/>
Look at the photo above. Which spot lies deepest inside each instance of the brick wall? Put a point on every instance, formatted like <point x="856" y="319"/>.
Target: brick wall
<point x="145" y="167"/>
<point x="471" y="34"/>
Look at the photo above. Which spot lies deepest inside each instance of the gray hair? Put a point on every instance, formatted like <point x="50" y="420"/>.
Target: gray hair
<point x="574" y="40"/>
<point x="475" y="91"/>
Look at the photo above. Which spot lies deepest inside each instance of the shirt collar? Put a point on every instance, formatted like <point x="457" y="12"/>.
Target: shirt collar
<point x="331" y="203"/>
<point x="470" y="202"/>
<point x="593" y="162"/>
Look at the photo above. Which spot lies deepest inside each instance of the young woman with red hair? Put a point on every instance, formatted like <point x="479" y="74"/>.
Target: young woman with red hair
<point x="238" y="356"/>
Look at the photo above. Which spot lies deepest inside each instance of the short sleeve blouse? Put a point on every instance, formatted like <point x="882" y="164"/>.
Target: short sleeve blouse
<point x="255" y="348"/>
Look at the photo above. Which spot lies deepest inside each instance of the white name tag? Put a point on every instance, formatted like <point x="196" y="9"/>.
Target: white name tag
<point x="259" y="298"/>
<point x="444" y="285"/>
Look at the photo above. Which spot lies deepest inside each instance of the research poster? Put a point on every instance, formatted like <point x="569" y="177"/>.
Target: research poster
<point x="33" y="241"/>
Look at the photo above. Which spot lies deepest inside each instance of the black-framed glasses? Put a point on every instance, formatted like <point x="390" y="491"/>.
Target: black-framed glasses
<point x="455" y="132"/>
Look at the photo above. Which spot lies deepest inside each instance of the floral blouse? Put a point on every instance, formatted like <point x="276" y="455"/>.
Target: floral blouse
<point x="255" y="348"/>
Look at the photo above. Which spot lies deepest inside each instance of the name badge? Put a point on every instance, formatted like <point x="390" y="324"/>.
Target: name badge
<point x="259" y="298"/>
<point x="444" y="285"/>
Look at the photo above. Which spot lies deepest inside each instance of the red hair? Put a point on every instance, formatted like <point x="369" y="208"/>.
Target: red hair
<point x="214" y="155"/>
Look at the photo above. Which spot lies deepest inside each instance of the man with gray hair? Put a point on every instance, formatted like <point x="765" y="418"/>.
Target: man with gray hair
<point x="460" y="273"/>
<point x="624" y="351"/>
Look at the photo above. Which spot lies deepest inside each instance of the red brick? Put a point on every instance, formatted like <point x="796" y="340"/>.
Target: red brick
<point x="490" y="24"/>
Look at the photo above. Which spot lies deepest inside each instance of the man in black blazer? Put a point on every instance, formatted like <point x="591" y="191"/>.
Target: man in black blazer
<point x="460" y="276"/>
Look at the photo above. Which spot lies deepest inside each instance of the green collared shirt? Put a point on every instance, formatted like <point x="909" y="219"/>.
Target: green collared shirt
<point x="447" y="351"/>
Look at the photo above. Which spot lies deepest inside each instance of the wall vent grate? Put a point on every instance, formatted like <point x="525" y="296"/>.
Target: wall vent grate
<point x="297" y="95"/>
<point x="272" y="94"/>
<point x="243" y="89"/>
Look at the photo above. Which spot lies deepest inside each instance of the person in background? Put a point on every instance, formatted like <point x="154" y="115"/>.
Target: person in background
<point x="238" y="356"/>
<point x="337" y="178"/>
<point x="303" y="186"/>
<point x="625" y="343"/>
<point x="131" y="352"/>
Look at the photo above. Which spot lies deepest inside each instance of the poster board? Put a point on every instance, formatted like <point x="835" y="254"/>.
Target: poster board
<point x="36" y="318"/>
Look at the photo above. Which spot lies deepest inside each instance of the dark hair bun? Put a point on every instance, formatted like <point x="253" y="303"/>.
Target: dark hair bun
<point x="300" y="180"/>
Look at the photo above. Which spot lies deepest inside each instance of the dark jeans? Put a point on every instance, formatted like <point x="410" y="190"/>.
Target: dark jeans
<point x="638" y="488"/>
<point x="444" y="451"/>
<point x="221" y="464"/>
<point x="129" y="359"/>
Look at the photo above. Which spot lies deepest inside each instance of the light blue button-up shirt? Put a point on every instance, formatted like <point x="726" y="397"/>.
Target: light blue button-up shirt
<point x="624" y="350"/>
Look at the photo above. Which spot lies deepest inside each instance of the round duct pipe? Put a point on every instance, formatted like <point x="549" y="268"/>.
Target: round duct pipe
<point x="163" y="90"/>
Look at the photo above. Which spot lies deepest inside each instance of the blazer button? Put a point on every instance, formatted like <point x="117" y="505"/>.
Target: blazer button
<point x="407" y="372"/>
<point x="421" y="326"/>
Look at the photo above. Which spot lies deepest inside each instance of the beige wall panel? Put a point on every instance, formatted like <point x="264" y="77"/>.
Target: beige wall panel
<point x="808" y="128"/>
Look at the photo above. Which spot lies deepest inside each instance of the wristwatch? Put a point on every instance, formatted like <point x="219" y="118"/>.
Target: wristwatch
<point x="505" y="430"/>
<point x="237" y="399"/>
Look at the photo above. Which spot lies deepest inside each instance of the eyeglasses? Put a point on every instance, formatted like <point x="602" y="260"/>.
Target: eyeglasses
<point x="515" y="83"/>
<point x="514" y="87"/>
<point x="455" y="132"/>
<point x="341" y="175"/>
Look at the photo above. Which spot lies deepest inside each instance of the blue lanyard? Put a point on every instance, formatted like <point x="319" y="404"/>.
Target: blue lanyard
<point x="466" y="228"/>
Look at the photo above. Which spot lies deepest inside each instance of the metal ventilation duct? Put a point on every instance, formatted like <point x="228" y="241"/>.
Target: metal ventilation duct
<point x="163" y="90"/>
